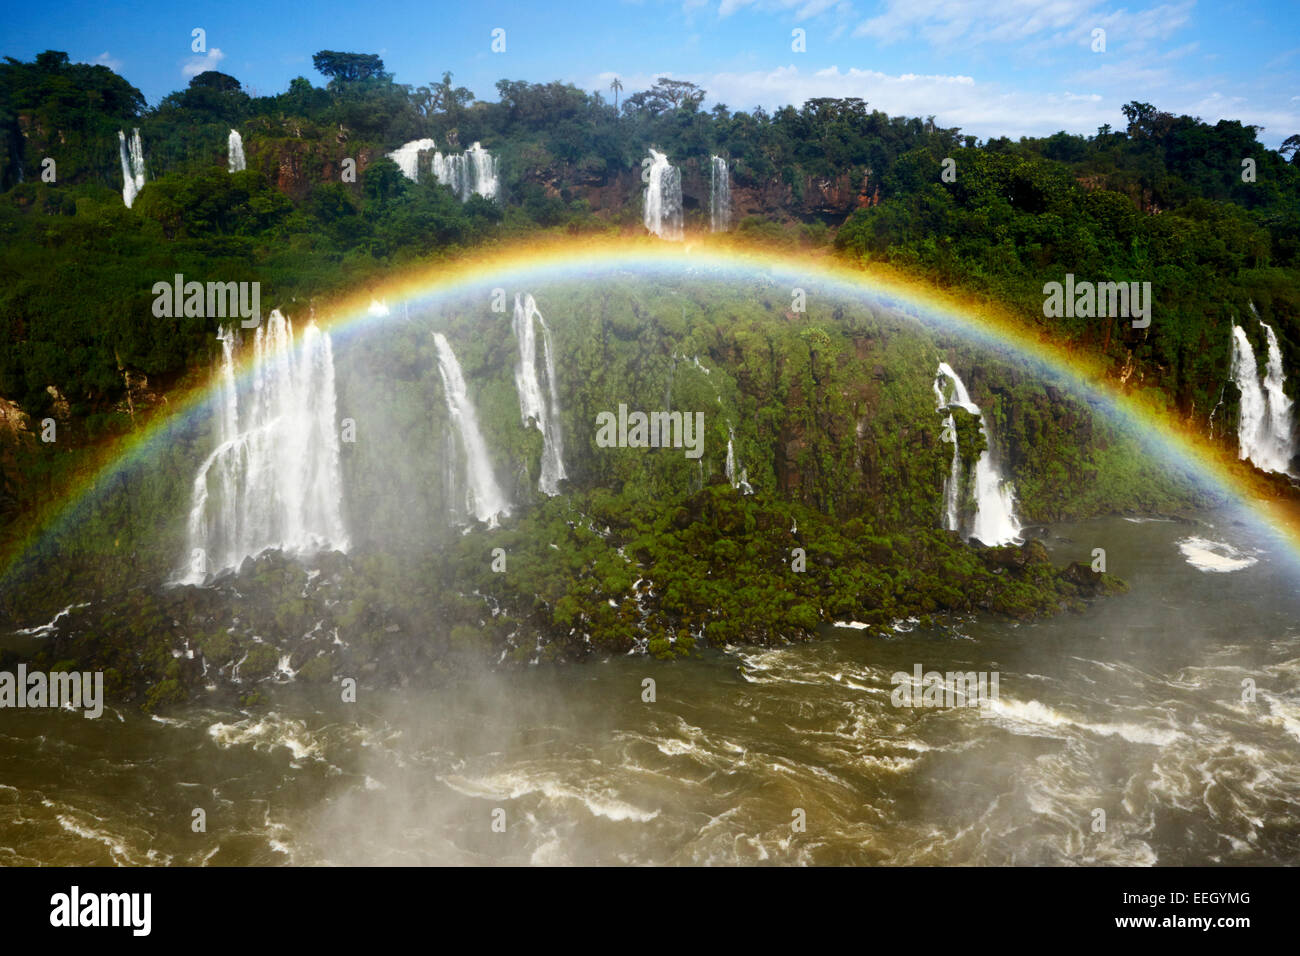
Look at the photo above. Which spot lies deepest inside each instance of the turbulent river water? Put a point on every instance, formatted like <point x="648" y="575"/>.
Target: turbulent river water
<point x="1134" y="708"/>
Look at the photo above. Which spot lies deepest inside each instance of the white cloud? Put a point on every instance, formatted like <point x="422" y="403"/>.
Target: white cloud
<point x="803" y="9"/>
<point x="979" y="108"/>
<point x="111" y="62"/>
<point x="1029" y="25"/>
<point x="200" y="64"/>
<point x="954" y="100"/>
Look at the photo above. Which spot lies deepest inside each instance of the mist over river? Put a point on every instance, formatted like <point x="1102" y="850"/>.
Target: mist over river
<point x="1134" y="707"/>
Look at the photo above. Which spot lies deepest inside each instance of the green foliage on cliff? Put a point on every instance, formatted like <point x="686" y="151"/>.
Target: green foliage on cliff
<point x="1164" y="204"/>
<point x="831" y="411"/>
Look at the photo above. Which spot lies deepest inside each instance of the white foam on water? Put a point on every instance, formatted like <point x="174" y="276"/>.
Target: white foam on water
<point x="1214" y="556"/>
<point x="513" y="784"/>
<point x="265" y="734"/>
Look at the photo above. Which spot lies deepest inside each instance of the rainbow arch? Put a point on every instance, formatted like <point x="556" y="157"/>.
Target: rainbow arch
<point x="518" y="266"/>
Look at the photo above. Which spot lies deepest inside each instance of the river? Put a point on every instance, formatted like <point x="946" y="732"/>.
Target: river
<point x="1134" y="708"/>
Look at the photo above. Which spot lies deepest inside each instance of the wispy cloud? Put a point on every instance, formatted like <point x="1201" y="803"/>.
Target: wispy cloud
<point x="200" y="64"/>
<point x="113" y="63"/>
<point x="1038" y="24"/>
<point x="977" y="107"/>
<point x="800" y="9"/>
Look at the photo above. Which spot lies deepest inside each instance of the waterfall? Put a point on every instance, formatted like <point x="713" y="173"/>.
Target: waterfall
<point x="663" y="198"/>
<point x="132" y="157"/>
<point x="741" y="482"/>
<point x="994" y="519"/>
<point x="235" y="152"/>
<point x="483" y="498"/>
<point x="484" y="166"/>
<point x="719" y="195"/>
<point x="273" y="481"/>
<point x="1265" y="432"/>
<point x="407" y="157"/>
<point x="467" y="173"/>
<point x="1279" y="406"/>
<point x="543" y="411"/>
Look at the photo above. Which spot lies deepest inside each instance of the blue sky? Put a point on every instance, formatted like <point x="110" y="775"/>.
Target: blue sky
<point x="992" y="67"/>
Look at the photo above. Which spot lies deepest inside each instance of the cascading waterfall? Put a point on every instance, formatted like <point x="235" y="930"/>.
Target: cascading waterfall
<point x="483" y="497"/>
<point x="1265" y="432"/>
<point x="467" y="173"/>
<point x="719" y="195"/>
<point x="407" y="157"/>
<point x="274" y="479"/>
<point x="542" y="411"/>
<point x="132" y="157"/>
<point x="663" y="198"/>
<point x="484" y="165"/>
<point x="741" y="481"/>
<point x="235" y="152"/>
<point x="994" y="520"/>
<point x="1279" y="405"/>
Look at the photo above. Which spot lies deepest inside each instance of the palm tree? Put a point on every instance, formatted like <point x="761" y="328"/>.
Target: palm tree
<point x="617" y="87"/>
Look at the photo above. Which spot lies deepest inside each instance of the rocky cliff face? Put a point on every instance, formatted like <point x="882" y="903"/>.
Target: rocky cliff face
<point x="609" y="192"/>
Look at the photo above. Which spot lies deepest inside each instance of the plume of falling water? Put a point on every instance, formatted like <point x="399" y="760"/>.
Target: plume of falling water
<point x="467" y="173"/>
<point x="541" y="410"/>
<point x="663" y="198"/>
<point x="740" y="481"/>
<point x="274" y="480"/>
<point x="994" y="520"/>
<point x="719" y="195"/>
<point x="407" y="157"/>
<point x="483" y="497"/>
<point x="1265" y="431"/>
<point x="132" y="157"/>
<point x="235" y="152"/>
<point x="484" y="165"/>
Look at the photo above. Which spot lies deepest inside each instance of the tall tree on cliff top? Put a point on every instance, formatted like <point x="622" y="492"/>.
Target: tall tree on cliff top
<point x="348" y="67"/>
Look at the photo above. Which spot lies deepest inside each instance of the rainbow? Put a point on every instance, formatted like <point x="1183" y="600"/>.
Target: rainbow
<point x="519" y="266"/>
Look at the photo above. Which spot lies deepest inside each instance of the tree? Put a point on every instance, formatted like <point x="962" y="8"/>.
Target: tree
<point x="1291" y="145"/>
<point x="349" y="67"/>
<point x="616" y="87"/>
<point x="449" y="100"/>
<point x="665" y="95"/>
<point x="215" y="80"/>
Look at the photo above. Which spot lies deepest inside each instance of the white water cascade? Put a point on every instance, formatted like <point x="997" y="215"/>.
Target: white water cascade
<point x="467" y="173"/>
<point x="132" y="156"/>
<point x="740" y="481"/>
<point x="994" y="520"/>
<point x="534" y="407"/>
<point x="1266" y="432"/>
<point x="483" y="497"/>
<point x="235" y="152"/>
<point x="663" y="197"/>
<point x="407" y="157"/>
<point x="273" y="480"/>
<point x="719" y="195"/>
